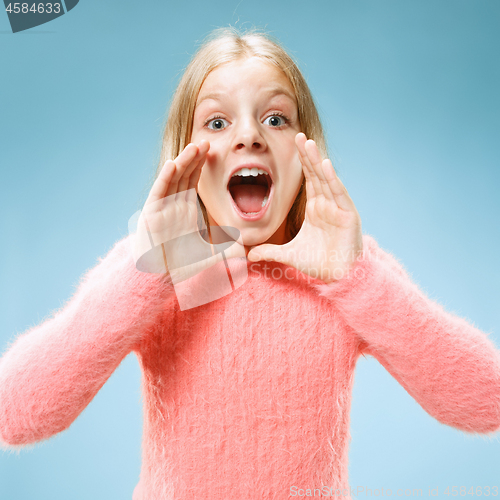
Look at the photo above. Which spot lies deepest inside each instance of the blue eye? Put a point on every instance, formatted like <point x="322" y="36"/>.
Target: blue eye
<point x="217" y="123"/>
<point x="275" y="121"/>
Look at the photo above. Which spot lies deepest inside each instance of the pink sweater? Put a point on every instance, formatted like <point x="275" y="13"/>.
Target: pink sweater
<point x="247" y="396"/>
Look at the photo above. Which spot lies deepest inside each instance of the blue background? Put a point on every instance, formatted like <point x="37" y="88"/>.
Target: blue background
<point x="408" y="91"/>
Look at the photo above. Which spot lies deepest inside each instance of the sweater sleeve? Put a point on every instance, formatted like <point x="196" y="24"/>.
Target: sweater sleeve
<point x="448" y="366"/>
<point x="51" y="372"/>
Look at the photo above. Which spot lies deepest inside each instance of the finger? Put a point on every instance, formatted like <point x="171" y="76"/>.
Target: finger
<point x="301" y="142"/>
<point x="309" y="189"/>
<point x="190" y="195"/>
<point x="316" y="163"/>
<point x="309" y="186"/>
<point x="196" y="172"/>
<point x="195" y="176"/>
<point x="182" y="161"/>
<point x="338" y="189"/>
<point x="198" y="160"/>
<point x="160" y="186"/>
<point x="267" y="252"/>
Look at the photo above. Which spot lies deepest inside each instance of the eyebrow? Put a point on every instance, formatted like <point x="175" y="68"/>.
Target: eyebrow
<point x="271" y="92"/>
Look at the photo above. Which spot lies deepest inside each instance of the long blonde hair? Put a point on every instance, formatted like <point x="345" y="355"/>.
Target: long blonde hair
<point x="225" y="45"/>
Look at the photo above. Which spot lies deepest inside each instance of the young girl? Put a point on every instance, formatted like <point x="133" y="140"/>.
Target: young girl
<point x="247" y="396"/>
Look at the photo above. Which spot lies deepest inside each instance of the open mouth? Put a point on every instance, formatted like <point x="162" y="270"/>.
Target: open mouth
<point x="250" y="189"/>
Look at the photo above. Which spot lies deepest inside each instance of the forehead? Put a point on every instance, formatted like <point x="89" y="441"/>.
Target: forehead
<point x="243" y="75"/>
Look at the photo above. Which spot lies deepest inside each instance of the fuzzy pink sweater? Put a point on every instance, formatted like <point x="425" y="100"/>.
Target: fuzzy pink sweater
<point x="249" y="395"/>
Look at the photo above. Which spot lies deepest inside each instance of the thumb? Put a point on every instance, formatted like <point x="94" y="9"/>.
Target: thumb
<point x="267" y="252"/>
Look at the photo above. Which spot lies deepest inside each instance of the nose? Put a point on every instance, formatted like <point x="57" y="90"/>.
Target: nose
<point x="249" y="135"/>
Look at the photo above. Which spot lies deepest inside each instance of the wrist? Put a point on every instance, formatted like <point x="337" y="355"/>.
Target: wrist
<point x="354" y="274"/>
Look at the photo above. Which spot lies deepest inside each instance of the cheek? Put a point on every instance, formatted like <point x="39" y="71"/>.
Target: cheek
<point x="295" y="168"/>
<point x="209" y="171"/>
<point x="205" y="185"/>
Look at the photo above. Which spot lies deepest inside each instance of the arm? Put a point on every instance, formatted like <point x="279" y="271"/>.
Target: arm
<point x="448" y="366"/>
<point x="52" y="371"/>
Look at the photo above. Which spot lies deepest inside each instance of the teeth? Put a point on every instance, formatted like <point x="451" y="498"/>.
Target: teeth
<point x="246" y="172"/>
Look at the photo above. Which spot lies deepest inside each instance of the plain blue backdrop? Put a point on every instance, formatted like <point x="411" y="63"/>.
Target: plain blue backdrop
<point x="409" y="94"/>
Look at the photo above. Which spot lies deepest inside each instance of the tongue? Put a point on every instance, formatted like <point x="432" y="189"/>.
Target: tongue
<point x="249" y="197"/>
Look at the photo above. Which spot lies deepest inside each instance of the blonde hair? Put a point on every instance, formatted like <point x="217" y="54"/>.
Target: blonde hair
<point x="225" y="45"/>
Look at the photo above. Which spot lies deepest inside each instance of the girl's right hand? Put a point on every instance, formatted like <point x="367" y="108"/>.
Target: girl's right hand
<point x="167" y="238"/>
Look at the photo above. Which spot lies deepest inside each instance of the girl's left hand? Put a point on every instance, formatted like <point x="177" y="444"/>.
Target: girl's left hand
<point x="330" y="239"/>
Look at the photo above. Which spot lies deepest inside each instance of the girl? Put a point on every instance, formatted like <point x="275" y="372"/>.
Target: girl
<point x="247" y="396"/>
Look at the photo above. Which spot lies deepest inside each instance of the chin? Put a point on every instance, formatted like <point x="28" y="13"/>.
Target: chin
<point x="252" y="233"/>
<point x="251" y="239"/>
<point x="252" y="236"/>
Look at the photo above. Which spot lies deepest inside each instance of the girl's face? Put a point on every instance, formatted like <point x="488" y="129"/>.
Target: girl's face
<point x="247" y="110"/>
